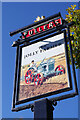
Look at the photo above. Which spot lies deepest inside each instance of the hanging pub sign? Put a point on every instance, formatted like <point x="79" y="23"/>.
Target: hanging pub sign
<point x="43" y="65"/>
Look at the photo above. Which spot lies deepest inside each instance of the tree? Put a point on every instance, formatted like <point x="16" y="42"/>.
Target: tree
<point x="74" y="15"/>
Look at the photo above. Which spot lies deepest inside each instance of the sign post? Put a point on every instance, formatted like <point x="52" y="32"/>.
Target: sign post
<point x="43" y="109"/>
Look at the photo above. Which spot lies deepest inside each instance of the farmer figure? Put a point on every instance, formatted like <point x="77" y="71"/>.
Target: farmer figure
<point x="33" y="65"/>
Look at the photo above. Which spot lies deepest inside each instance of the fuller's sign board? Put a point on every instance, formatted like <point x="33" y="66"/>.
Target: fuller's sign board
<point x="49" y="24"/>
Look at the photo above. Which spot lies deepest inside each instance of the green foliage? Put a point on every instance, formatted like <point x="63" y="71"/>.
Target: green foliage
<point x="74" y="15"/>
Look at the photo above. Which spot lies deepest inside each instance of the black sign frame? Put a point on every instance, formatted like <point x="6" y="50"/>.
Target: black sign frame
<point x="17" y="75"/>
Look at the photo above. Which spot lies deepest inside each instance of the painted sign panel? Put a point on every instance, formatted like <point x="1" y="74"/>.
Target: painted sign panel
<point x="43" y="68"/>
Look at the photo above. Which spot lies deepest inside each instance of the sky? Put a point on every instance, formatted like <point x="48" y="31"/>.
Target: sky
<point x="16" y="15"/>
